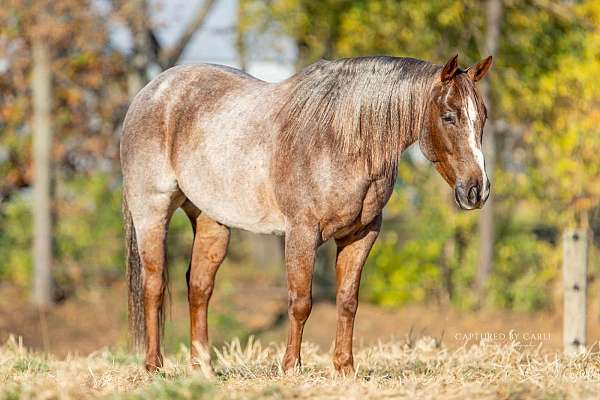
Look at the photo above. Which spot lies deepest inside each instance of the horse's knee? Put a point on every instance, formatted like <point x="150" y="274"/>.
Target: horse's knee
<point x="347" y="304"/>
<point x="299" y="307"/>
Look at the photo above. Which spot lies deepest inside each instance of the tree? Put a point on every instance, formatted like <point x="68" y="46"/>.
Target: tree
<point x="86" y="68"/>
<point x="60" y="43"/>
<point x="42" y="146"/>
<point x="486" y="219"/>
<point x="565" y="131"/>
<point x="147" y="50"/>
<point x="91" y="80"/>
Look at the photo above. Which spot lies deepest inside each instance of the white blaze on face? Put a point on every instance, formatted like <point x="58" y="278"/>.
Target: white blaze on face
<point x="475" y="149"/>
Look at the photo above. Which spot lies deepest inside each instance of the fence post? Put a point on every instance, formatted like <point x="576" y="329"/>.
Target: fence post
<point x="575" y="260"/>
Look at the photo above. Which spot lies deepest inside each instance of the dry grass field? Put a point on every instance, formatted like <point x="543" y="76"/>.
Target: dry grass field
<point x="418" y="370"/>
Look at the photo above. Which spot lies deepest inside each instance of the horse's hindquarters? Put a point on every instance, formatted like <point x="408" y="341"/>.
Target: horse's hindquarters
<point x="213" y="129"/>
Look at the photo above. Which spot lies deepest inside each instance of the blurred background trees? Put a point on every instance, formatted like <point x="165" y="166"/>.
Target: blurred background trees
<point x="67" y="42"/>
<point x="543" y="91"/>
<point x="64" y="45"/>
<point x="541" y="129"/>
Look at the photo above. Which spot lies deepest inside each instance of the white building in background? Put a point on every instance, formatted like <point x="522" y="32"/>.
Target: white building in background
<point x="268" y="58"/>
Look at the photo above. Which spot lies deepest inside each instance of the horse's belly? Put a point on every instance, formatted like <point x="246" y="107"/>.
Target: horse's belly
<point x="242" y="210"/>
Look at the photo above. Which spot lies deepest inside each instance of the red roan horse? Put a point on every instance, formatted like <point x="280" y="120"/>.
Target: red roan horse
<point x="312" y="158"/>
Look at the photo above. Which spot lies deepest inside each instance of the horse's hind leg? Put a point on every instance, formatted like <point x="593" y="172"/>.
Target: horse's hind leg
<point x="151" y="212"/>
<point x="209" y="250"/>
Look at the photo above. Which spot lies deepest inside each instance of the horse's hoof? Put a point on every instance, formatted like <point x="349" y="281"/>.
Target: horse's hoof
<point x="205" y="368"/>
<point x="346" y="371"/>
<point x="152" y="368"/>
<point x="344" y="364"/>
<point x="153" y="364"/>
<point x="291" y="365"/>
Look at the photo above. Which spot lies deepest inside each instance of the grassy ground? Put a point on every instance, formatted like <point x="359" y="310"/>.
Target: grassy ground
<point x="392" y="370"/>
<point x="96" y="319"/>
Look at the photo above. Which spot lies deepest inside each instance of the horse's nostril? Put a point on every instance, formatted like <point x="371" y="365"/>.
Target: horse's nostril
<point x="473" y="195"/>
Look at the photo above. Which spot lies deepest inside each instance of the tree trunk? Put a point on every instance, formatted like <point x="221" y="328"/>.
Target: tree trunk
<point x="486" y="220"/>
<point x="42" y="146"/>
<point x="240" y="39"/>
<point x="447" y="273"/>
<point x="135" y="83"/>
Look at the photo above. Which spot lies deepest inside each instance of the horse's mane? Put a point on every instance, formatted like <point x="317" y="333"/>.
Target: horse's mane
<point x="370" y="107"/>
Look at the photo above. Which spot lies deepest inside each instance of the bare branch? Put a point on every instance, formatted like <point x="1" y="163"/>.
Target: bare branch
<point x="169" y="57"/>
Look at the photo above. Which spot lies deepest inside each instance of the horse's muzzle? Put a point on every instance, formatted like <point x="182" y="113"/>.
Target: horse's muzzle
<point x="471" y="196"/>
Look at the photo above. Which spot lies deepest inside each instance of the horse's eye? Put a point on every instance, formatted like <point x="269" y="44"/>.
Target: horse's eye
<point x="449" y="118"/>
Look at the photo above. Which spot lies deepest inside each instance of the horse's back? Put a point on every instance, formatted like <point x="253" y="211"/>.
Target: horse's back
<point x="174" y="97"/>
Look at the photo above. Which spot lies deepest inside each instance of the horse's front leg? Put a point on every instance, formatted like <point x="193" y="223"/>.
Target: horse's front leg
<point x="300" y="247"/>
<point x="352" y="253"/>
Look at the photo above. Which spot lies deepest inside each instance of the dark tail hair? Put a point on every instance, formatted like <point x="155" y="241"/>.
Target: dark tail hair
<point x="135" y="282"/>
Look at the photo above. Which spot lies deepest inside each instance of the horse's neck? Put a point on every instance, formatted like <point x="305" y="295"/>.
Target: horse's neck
<point x="413" y="112"/>
<point x="375" y="117"/>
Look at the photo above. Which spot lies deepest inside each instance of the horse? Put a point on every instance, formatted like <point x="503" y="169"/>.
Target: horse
<point x="313" y="158"/>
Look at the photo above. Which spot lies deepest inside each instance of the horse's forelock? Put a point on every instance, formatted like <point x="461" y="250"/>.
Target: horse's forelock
<point x="467" y="90"/>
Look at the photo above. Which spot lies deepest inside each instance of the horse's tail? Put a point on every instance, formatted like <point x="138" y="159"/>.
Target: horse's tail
<point x="135" y="282"/>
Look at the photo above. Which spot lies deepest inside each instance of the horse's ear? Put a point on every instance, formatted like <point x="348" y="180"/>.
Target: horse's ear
<point x="478" y="71"/>
<point x="449" y="69"/>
